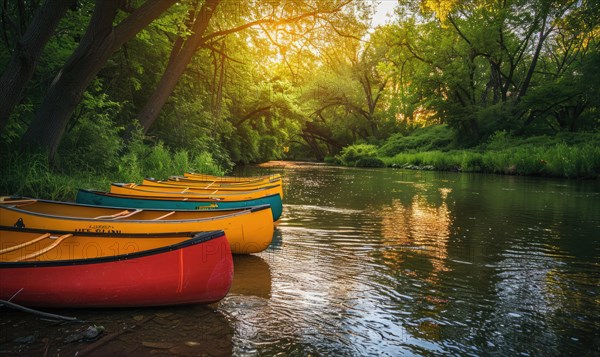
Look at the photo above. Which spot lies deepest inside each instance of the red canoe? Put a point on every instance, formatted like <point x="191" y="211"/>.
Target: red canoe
<point x="66" y="270"/>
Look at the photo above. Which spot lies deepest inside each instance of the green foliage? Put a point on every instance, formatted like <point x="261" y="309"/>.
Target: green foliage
<point x="350" y="155"/>
<point x="93" y="143"/>
<point x="30" y="175"/>
<point x="160" y="162"/>
<point x="369" y="162"/>
<point x="205" y="163"/>
<point x="422" y="139"/>
<point x="420" y="84"/>
<point x="569" y="156"/>
<point x="470" y="161"/>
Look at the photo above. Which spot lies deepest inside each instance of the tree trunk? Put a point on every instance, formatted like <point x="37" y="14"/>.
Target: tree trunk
<point x="100" y="41"/>
<point x="176" y="66"/>
<point x="536" y="55"/>
<point x="26" y="54"/>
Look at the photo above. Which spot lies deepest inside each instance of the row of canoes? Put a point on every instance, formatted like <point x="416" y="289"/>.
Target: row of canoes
<point x="157" y="243"/>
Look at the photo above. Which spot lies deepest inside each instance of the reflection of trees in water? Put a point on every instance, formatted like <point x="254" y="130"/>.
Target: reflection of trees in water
<point x="419" y="229"/>
<point x="539" y="297"/>
<point x="522" y="301"/>
<point x="416" y="235"/>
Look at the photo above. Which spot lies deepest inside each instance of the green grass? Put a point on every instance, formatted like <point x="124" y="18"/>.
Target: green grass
<point x="30" y="174"/>
<point x="431" y="138"/>
<point x="560" y="160"/>
<point x="568" y="155"/>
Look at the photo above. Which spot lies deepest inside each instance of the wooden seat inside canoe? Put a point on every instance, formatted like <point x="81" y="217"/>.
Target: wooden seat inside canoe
<point x="163" y="216"/>
<point x="127" y="215"/>
<point x="17" y="202"/>
<point x="119" y="215"/>
<point x="19" y="246"/>
<point x="23" y="245"/>
<point x="57" y="241"/>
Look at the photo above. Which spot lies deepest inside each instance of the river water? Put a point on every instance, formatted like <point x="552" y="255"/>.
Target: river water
<point x="384" y="262"/>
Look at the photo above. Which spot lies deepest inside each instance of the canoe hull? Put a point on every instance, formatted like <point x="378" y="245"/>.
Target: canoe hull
<point x="203" y="188"/>
<point x="102" y="199"/>
<point x="249" y="231"/>
<point x="192" y="193"/>
<point x="182" y="180"/>
<point x="185" y="273"/>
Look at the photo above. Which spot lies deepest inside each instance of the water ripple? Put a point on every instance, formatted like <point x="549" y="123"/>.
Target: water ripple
<point x="394" y="263"/>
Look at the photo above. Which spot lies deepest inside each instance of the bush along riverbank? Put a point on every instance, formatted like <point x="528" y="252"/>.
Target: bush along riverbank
<point x="565" y="155"/>
<point x="31" y="175"/>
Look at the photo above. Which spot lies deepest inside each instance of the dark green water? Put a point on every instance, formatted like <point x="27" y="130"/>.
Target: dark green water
<point x="388" y="262"/>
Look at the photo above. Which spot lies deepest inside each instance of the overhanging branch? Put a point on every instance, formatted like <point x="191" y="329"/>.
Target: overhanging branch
<point x="272" y="21"/>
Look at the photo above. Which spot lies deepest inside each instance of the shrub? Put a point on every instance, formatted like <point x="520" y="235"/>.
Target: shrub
<point x="330" y="160"/>
<point x="471" y="161"/>
<point x="435" y="137"/>
<point x="30" y="175"/>
<point x="93" y="145"/>
<point x="351" y="154"/>
<point x="205" y="163"/>
<point x="92" y="142"/>
<point x="369" y="162"/>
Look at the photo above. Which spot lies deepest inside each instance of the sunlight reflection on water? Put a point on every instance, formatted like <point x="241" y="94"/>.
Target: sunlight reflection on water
<point x="392" y="262"/>
<point x="388" y="263"/>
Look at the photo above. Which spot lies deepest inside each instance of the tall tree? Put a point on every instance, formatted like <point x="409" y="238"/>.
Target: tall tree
<point x="181" y="55"/>
<point x="100" y="41"/>
<point x="26" y="53"/>
<point x="185" y="49"/>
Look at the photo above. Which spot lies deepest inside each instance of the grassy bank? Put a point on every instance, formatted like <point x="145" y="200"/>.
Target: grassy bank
<point x="30" y="174"/>
<point x="566" y="155"/>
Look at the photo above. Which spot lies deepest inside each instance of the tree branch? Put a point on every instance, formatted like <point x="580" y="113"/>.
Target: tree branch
<point x="272" y="21"/>
<point x="251" y="114"/>
<point x="222" y="53"/>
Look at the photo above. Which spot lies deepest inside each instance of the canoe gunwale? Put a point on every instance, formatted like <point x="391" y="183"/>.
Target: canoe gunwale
<point x="160" y="235"/>
<point x="234" y="179"/>
<point x="182" y="199"/>
<point x="237" y="186"/>
<point x="116" y="200"/>
<point x="189" y="190"/>
<point x="196" y="238"/>
<point x="242" y="211"/>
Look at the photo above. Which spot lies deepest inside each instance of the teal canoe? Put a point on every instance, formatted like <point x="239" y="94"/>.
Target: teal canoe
<point x="100" y="198"/>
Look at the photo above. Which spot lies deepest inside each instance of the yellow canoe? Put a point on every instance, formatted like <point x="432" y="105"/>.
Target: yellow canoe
<point x="204" y="188"/>
<point x="248" y="230"/>
<point x="193" y="192"/>
<point x="230" y="179"/>
<point x="186" y="181"/>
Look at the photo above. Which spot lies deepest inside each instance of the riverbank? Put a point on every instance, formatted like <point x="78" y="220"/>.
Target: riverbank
<point x="567" y="156"/>
<point x="560" y="161"/>
<point x="31" y="175"/>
